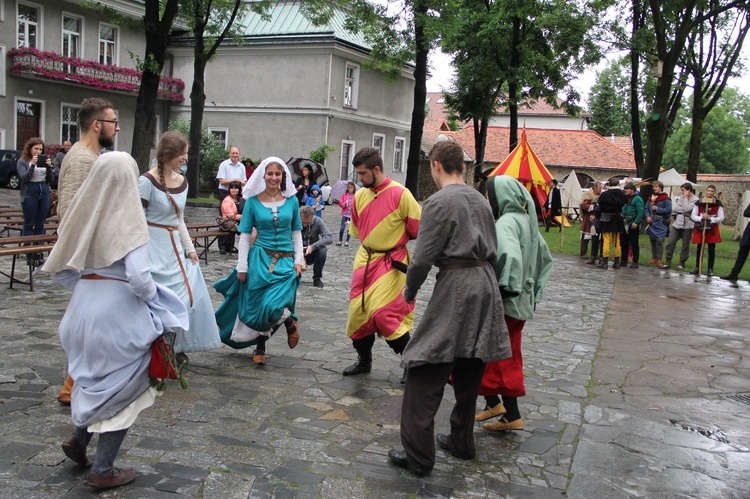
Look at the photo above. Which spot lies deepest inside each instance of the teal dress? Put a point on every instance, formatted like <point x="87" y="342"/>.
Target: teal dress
<point x="260" y="301"/>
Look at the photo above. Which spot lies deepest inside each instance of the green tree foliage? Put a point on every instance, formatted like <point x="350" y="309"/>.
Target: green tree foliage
<point x="609" y="101"/>
<point x="211" y="154"/>
<point x="726" y="139"/>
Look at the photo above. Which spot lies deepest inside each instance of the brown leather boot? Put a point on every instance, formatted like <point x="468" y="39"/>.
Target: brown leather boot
<point x="64" y="396"/>
<point x="659" y="264"/>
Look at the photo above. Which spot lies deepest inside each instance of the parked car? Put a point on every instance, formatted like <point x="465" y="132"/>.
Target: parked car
<point x="8" y="173"/>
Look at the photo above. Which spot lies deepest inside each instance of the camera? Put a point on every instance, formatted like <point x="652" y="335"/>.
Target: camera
<point x="41" y="160"/>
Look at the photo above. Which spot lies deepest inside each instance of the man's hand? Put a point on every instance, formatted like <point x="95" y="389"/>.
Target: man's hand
<point x="308" y="250"/>
<point x="403" y="293"/>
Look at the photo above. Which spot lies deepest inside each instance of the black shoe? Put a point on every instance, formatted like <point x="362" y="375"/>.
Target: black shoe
<point x="399" y="459"/>
<point x="694" y="271"/>
<point x="730" y="277"/>
<point x="442" y="441"/>
<point x="360" y="367"/>
<point x="222" y="252"/>
<point x="317" y="282"/>
<point x="710" y="272"/>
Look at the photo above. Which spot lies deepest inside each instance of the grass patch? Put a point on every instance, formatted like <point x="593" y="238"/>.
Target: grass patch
<point x="203" y="200"/>
<point x="726" y="251"/>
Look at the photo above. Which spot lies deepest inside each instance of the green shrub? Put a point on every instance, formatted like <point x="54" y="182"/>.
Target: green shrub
<point x="212" y="152"/>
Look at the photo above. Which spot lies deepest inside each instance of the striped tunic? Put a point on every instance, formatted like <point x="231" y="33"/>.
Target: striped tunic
<point x="384" y="218"/>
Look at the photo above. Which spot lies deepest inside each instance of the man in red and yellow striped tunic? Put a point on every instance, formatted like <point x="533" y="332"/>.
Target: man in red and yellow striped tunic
<point x="385" y="216"/>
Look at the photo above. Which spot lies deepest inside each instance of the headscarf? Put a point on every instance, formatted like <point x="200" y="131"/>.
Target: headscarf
<point x="105" y="219"/>
<point x="257" y="183"/>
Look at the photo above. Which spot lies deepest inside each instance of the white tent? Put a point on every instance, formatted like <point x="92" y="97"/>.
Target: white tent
<point x="571" y="193"/>
<point x="739" y="227"/>
<point x="670" y="178"/>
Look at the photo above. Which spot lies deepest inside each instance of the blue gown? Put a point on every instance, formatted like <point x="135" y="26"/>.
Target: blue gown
<point x="260" y="301"/>
<point x="165" y="261"/>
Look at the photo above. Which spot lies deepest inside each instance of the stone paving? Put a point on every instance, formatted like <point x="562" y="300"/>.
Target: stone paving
<point x="629" y="377"/>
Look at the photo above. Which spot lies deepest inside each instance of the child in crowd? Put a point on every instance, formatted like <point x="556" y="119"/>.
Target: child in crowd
<point x="346" y="212"/>
<point x="316" y="201"/>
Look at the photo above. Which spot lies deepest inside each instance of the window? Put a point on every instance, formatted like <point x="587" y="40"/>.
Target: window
<point x="221" y="135"/>
<point x="69" y="123"/>
<point x="351" y="85"/>
<point x="71" y="35"/>
<point x="107" y="44"/>
<point x="2" y="71"/>
<point x="29" y="25"/>
<point x="378" y="139"/>
<point x="398" y="154"/>
<point x="347" y="155"/>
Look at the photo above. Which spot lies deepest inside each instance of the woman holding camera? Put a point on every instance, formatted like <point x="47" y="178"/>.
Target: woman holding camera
<point x="35" y="173"/>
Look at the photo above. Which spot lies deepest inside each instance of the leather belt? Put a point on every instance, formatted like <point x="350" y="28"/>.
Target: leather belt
<point x="171" y="231"/>
<point x="98" y="277"/>
<point x="464" y="265"/>
<point x="275" y="255"/>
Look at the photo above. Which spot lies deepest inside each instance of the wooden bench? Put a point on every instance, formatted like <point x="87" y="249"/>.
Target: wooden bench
<point x="20" y="246"/>
<point x="16" y="224"/>
<point x="208" y="236"/>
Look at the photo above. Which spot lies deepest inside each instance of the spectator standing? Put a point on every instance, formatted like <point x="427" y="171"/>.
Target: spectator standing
<point x="66" y="145"/>
<point x="456" y="337"/>
<point x="230" y="170"/>
<point x="611" y="202"/>
<point x="658" y="212"/>
<point x="632" y="215"/>
<point x="390" y="220"/>
<point x="99" y="125"/>
<point x="588" y="222"/>
<point x="682" y="226"/>
<point x="36" y="177"/>
<point x="315" y="238"/>
<point x="304" y="184"/>
<point x="346" y="201"/>
<point x="553" y="207"/>
<point x="707" y="214"/>
<point x="743" y="252"/>
<point x="249" y="167"/>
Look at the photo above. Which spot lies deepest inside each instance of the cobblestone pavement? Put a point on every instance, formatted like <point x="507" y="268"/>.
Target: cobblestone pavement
<point x="630" y="375"/>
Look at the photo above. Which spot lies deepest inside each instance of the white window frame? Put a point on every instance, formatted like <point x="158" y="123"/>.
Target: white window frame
<point x="39" y="24"/>
<point x="116" y="43"/>
<point x="351" y="84"/>
<point x="64" y="32"/>
<point x="2" y="10"/>
<point x="399" y="167"/>
<point x="381" y="149"/>
<point x="223" y="130"/>
<point x="2" y="130"/>
<point x="347" y="161"/>
<point x="42" y="117"/>
<point x="3" y="71"/>
<point x="63" y="105"/>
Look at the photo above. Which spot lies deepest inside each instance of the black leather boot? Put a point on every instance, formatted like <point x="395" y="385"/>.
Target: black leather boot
<point x="603" y="263"/>
<point x="363" y="364"/>
<point x="616" y="265"/>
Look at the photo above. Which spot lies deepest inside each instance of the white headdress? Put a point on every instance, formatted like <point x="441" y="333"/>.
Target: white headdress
<point x="257" y="182"/>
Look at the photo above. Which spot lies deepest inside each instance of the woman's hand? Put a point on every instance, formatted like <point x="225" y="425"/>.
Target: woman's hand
<point x="33" y="160"/>
<point x="193" y="256"/>
<point x="298" y="269"/>
<point x="242" y="276"/>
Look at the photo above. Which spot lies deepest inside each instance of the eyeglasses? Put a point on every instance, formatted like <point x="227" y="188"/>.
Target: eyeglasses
<point x="110" y="121"/>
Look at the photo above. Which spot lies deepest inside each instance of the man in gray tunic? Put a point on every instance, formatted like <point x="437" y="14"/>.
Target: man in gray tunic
<point x="462" y="327"/>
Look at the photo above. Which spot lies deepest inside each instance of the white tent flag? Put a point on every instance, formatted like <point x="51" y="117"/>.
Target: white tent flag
<point x="571" y="193"/>
<point x="670" y="178"/>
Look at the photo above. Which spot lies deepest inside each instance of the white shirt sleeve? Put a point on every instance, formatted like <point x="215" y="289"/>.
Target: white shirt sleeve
<point x="242" y="251"/>
<point x="187" y="243"/>
<point x="719" y="216"/>
<point x="299" y="258"/>
<point x="138" y="273"/>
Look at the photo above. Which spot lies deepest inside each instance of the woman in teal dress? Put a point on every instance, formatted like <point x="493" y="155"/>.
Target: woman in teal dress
<point x="171" y="255"/>
<point x="260" y="294"/>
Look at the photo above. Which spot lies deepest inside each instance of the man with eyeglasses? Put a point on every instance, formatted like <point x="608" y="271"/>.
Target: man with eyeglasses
<point x="98" y="125"/>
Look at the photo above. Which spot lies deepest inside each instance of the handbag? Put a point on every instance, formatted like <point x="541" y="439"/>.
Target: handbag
<point x="163" y="364"/>
<point x="227" y="224"/>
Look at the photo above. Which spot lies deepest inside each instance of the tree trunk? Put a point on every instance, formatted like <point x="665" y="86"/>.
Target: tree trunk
<point x="515" y="61"/>
<point x="420" y="96"/>
<point x="480" y="142"/>
<point x="157" y="31"/>
<point x="635" y="114"/>
<point x="696" y="132"/>
<point x="197" y="104"/>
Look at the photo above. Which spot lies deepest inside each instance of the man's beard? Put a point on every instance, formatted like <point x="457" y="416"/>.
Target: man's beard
<point x="104" y="141"/>
<point x="368" y="185"/>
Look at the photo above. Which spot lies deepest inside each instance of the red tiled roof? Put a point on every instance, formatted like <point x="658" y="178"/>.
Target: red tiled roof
<point x="721" y="177"/>
<point x="527" y="108"/>
<point x="556" y="148"/>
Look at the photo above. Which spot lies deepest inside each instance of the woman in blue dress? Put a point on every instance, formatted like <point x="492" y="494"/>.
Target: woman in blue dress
<point x="260" y="294"/>
<point x="163" y="193"/>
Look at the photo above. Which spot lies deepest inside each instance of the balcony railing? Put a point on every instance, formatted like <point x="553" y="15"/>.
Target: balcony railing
<point x="52" y="66"/>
